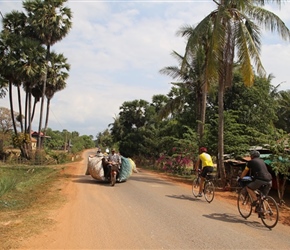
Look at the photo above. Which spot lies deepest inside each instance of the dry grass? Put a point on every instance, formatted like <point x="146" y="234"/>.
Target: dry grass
<point x="24" y="210"/>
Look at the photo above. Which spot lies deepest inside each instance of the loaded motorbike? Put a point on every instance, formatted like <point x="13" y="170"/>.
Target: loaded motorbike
<point x="99" y="169"/>
<point x="112" y="171"/>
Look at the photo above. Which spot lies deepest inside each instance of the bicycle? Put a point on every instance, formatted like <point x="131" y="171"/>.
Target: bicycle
<point x="208" y="188"/>
<point x="266" y="207"/>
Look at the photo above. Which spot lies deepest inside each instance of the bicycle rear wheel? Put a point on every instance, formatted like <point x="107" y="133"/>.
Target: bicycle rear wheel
<point x="195" y="185"/>
<point x="244" y="203"/>
<point x="208" y="191"/>
<point x="270" y="213"/>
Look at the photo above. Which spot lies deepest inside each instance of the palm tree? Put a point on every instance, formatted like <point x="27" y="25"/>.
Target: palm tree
<point x="234" y="34"/>
<point x="19" y="62"/>
<point x="189" y="76"/>
<point x="55" y="79"/>
<point x="50" y="22"/>
<point x="13" y="24"/>
<point x="198" y="62"/>
<point x="32" y="70"/>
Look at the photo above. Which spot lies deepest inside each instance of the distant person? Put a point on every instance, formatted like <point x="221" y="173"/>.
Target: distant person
<point x="206" y="166"/>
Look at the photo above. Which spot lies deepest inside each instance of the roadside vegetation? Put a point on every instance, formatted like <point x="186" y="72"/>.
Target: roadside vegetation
<point x="26" y="194"/>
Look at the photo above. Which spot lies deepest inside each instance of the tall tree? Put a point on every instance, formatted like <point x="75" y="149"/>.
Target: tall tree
<point x="284" y="111"/>
<point x="57" y="75"/>
<point x="235" y="34"/>
<point x="190" y="83"/>
<point x="21" y="60"/>
<point x="50" y="22"/>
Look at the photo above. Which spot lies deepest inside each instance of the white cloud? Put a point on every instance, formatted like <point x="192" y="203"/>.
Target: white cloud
<point x="116" y="51"/>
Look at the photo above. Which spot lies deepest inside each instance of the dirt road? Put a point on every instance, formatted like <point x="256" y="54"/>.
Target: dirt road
<point x="148" y="212"/>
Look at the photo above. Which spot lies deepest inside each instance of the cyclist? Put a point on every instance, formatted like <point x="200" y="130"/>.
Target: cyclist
<point x="260" y="174"/>
<point x="206" y="164"/>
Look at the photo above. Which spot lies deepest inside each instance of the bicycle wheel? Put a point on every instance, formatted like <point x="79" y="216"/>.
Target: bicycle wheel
<point x="270" y="212"/>
<point x="195" y="185"/>
<point x="244" y="203"/>
<point x="208" y="191"/>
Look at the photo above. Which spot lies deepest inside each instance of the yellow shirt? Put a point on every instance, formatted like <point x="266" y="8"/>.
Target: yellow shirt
<point x="206" y="160"/>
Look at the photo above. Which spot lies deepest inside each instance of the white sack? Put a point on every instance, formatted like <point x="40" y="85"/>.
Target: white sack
<point x="95" y="167"/>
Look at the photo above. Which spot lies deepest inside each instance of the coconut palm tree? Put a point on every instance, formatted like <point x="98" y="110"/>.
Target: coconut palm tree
<point x="190" y="82"/>
<point x="50" y="22"/>
<point x="235" y="35"/>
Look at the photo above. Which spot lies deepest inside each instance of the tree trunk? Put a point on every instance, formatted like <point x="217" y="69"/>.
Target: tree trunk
<point x="47" y="114"/>
<point x="33" y="109"/>
<point x="221" y="166"/>
<point x="11" y="107"/>
<point x="202" y="112"/>
<point x="20" y="108"/>
<point x="42" y="99"/>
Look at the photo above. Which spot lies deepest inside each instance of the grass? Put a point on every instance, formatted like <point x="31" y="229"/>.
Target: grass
<point x="25" y="200"/>
<point x="19" y="185"/>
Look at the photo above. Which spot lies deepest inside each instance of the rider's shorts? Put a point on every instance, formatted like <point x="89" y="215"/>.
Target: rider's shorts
<point x="206" y="170"/>
<point x="258" y="184"/>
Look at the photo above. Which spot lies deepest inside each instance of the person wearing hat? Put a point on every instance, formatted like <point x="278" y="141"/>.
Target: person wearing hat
<point x="261" y="175"/>
<point x="205" y="160"/>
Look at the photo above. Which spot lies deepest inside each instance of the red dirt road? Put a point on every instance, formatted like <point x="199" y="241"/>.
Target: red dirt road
<point x="83" y="216"/>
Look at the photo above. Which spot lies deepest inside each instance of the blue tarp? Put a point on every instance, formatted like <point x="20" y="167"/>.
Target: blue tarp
<point x="126" y="169"/>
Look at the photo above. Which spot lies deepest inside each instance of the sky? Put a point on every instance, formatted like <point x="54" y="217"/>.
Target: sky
<point x="117" y="48"/>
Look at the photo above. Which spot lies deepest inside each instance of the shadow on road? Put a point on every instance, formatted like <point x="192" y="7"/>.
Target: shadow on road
<point x="184" y="197"/>
<point x="86" y="179"/>
<point x="235" y="219"/>
<point x="150" y="179"/>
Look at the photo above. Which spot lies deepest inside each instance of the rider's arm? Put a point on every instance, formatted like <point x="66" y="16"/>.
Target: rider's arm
<point x="244" y="172"/>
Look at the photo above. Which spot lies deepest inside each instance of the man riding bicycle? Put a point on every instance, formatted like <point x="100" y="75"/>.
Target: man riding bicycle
<point x="206" y="164"/>
<point x="261" y="175"/>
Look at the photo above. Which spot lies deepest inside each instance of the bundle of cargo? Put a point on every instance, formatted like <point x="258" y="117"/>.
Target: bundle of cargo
<point x="95" y="168"/>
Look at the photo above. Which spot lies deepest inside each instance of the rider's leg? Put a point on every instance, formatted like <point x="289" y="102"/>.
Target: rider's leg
<point x="252" y="194"/>
<point x="108" y="174"/>
<point x="201" y="184"/>
<point x="202" y="178"/>
<point x="266" y="188"/>
<point x="251" y="187"/>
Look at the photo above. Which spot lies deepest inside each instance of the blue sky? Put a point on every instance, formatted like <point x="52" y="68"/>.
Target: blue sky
<point x="116" y="49"/>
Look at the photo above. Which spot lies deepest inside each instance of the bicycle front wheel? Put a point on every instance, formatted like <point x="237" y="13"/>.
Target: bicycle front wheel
<point x="244" y="203"/>
<point x="270" y="212"/>
<point x="195" y="185"/>
<point x="208" y="191"/>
